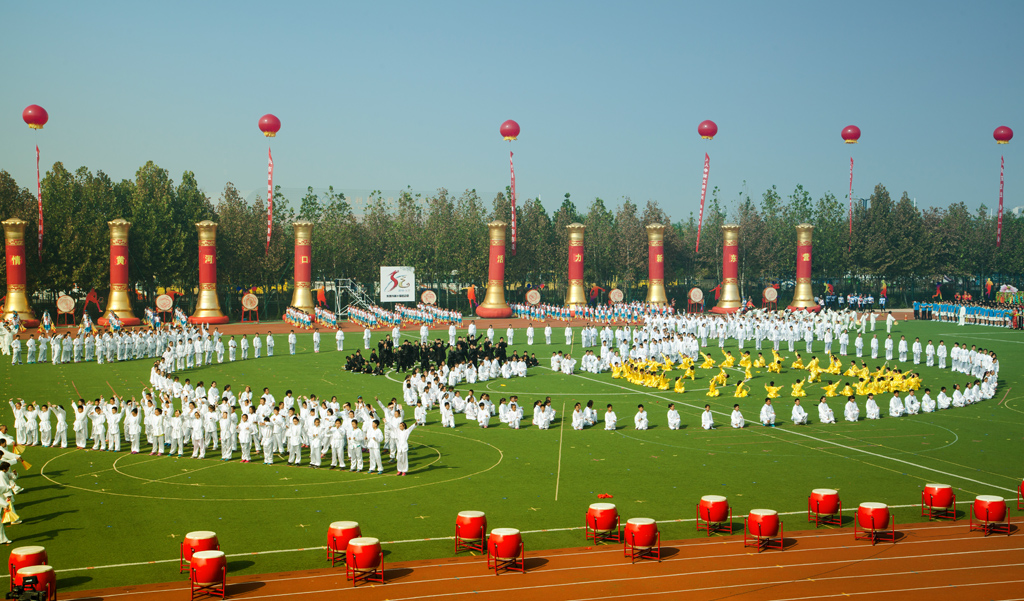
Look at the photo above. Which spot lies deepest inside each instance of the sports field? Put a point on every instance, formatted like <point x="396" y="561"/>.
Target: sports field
<point x="100" y="509"/>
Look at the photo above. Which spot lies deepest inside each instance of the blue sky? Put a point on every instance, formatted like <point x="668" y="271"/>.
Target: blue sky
<point x="384" y="95"/>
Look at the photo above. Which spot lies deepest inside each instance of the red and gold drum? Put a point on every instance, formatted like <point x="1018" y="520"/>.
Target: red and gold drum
<point x="26" y="556"/>
<point x="763" y="523"/>
<point x="200" y="540"/>
<point x="47" y="579"/>
<point x="714" y="508"/>
<point x="340" y="533"/>
<point x="471" y="525"/>
<point x="601" y="517"/>
<point x="989" y="508"/>
<point x="363" y="554"/>
<point x="825" y="501"/>
<point x="505" y="543"/>
<point x="873" y="516"/>
<point x="209" y="567"/>
<point x="642" y="533"/>
<point x="938" y="496"/>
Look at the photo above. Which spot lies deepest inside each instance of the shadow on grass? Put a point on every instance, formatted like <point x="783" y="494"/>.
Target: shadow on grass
<point x="240" y="564"/>
<point x="72" y="581"/>
<point x="38" y="501"/>
<point x="48" y="516"/>
<point x="48" y="535"/>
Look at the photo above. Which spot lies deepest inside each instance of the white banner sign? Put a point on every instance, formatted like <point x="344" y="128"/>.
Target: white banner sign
<point x="397" y="284"/>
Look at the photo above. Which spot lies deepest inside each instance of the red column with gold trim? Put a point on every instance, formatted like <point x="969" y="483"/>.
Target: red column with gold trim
<point x="208" y="305"/>
<point x="494" y="304"/>
<point x="656" y="265"/>
<point x="17" y="293"/>
<point x="302" y="296"/>
<point x="119" y="301"/>
<point x="803" y="294"/>
<point x="575" y="296"/>
<point x="729" y="296"/>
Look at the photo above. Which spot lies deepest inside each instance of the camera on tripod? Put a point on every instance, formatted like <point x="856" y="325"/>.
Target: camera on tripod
<point x="28" y="582"/>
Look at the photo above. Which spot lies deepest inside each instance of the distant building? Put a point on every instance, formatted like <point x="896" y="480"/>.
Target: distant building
<point x="1017" y="211"/>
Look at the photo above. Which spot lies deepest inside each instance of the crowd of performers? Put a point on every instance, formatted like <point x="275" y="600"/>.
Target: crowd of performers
<point x="633" y="313"/>
<point x="379" y="317"/>
<point x="984" y="313"/>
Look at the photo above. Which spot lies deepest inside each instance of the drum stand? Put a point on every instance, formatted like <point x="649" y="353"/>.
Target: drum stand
<point x="634" y="553"/>
<point x="215" y="589"/>
<point x="763" y="542"/>
<point x="508" y="564"/>
<point x="334" y="554"/>
<point x="874" y="534"/>
<point x="470" y="544"/>
<point x="835" y="519"/>
<point x="591" y="532"/>
<point x="989" y="527"/>
<point x="710" y="527"/>
<point x="937" y="513"/>
<point x="355" y="573"/>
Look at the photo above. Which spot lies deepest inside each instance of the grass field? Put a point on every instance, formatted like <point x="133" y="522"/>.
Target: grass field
<point x="104" y="509"/>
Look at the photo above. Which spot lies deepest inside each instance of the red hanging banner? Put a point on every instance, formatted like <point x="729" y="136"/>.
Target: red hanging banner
<point x="513" y="170"/>
<point x="39" y="196"/>
<point x="999" y="219"/>
<point x="703" y="195"/>
<point x="270" y="197"/>
<point x="851" y="198"/>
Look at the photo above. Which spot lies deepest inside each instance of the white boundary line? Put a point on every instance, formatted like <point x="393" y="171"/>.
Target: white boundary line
<point x="561" y="439"/>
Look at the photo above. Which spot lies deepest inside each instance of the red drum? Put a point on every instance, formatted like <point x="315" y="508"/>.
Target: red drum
<point x="209" y="567"/>
<point x="873" y="516"/>
<point x="714" y="508"/>
<point x="47" y="579"/>
<point x="989" y="508"/>
<point x="200" y="540"/>
<point x="602" y="517"/>
<point x="825" y="501"/>
<point x="763" y="523"/>
<point x="26" y="556"/>
<point x="506" y="543"/>
<point x="938" y="496"/>
<point x="642" y="533"/>
<point x="363" y="554"/>
<point x="340" y="533"/>
<point x="471" y="525"/>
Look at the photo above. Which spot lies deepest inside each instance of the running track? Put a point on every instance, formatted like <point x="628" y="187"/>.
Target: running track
<point x="930" y="562"/>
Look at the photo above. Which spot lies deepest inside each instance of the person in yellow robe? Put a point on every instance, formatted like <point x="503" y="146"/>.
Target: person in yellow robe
<point x="712" y="391"/>
<point x="813" y="364"/>
<point x="798" y="389"/>
<point x="835" y="366"/>
<point x="830" y="389"/>
<point x="797" y="363"/>
<point x="680" y="387"/>
<point x="775" y="367"/>
<point x="708" y="363"/>
<point x="746" y="374"/>
<point x="729" y="360"/>
<point x="742" y="390"/>
<point x="690" y="373"/>
<point x="814" y="376"/>
<point x="759" y="362"/>
<point x="663" y="382"/>
<point x="848" y="390"/>
<point x="773" y="390"/>
<point x="852" y="371"/>
<point x="719" y="379"/>
<point x="745" y="360"/>
<point x="776" y="356"/>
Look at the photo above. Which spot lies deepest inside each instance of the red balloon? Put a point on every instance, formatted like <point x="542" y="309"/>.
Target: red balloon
<point x="270" y="125"/>
<point x="1002" y="134"/>
<point x="509" y="130"/>
<point x="851" y="133"/>
<point x="707" y="129"/>
<point x="35" y="116"/>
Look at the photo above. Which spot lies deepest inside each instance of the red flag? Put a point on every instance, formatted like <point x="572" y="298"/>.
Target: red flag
<point x="703" y="194"/>
<point x="998" y="221"/>
<point x="851" y="204"/>
<point x="39" y="195"/>
<point x="513" y="170"/>
<point x="270" y="196"/>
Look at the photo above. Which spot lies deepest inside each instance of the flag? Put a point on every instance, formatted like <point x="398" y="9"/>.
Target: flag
<point x="999" y="220"/>
<point x="703" y="194"/>
<point x="851" y="205"/>
<point x="513" y="170"/>
<point x="270" y="196"/>
<point x="39" y="196"/>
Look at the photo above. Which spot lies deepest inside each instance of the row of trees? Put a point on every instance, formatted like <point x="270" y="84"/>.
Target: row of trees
<point x="444" y="236"/>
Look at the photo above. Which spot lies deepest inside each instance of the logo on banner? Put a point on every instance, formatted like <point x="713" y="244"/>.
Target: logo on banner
<point x="397" y="284"/>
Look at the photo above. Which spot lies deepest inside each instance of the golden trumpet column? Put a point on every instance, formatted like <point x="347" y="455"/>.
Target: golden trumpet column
<point x="656" y="265"/>
<point x="575" y="296"/>
<point x="803" y="295"/>
<point x="119" y="302"/>
<point x="494" y="304"/>
<point x="729" y="300"/>
<point x="17" y="294"/>
<point x="302" y="297"/>
<point x="208" y="306"/>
